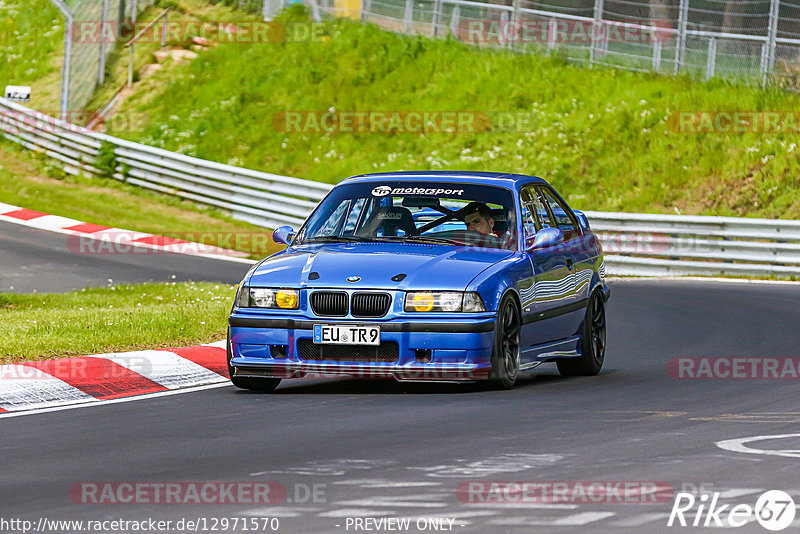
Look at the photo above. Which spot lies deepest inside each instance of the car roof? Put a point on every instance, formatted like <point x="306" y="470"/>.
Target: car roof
<point x="509" y="180"/>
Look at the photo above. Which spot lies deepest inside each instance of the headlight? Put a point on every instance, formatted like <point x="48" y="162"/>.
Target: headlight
<point x="473" y="303"/>
<point x="263" y="297"/>
<point x="443" y="301"/>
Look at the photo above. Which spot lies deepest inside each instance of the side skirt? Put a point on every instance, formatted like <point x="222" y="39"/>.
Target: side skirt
<point x="548" y="352"/>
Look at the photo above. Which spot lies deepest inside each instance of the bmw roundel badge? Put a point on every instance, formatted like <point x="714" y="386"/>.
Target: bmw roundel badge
<point x="353" y="278"/>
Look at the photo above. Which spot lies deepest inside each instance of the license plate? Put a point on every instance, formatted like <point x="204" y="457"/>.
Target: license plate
<point x="347" y="335"/>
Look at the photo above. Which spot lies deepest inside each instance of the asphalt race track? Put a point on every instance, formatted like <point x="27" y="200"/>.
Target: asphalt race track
<point x="39" y="260"/>
<point x="380" y="449"/>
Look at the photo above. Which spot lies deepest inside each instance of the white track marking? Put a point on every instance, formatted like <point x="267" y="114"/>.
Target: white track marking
<point x="739" y="445"/>
<point x="574" y="520"/>
<point x="280" y="511"/>
<point x="384" y="483"/>
<point x="392" y="502"/>
<point x="23" y="386"/>
<point x="356" y="512"/>
<point x="641" y="519"/>
<point x="739" y="492"/>
<point x="165" y="368"/>
<point x="530" y="505"/>
<point x="337" y="467"/>
<point x="618" y="279"/>
<point x="54" y="222"/>
<point x="97" y="403"/>
<point x="478" y="513"/>
<point x="503" y="463"/>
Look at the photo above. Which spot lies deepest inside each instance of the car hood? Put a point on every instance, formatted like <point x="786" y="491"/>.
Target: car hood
<point x="375" y="264"/>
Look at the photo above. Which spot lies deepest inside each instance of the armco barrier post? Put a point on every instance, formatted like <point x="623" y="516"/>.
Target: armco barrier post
<point x="366" y="7"/>
<point x="656" y="55"/>
<point x="711" y="60"/>
<point x="408" y="15"/>
<point x="67" y="56"/>
<point x="513" y="30"/>
<point x="101" y="64"/>
<point x="596" y="26"/>
<point x="505" y="32"/>
<point x="680" y="49"/>
<point x="437" y="15"/>
<point x="768" y="59"/>
<point x="455" y="17"/>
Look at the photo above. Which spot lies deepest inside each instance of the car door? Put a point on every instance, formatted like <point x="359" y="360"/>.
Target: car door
<point x="579" y="267"/>
<point x="544" y="307"/>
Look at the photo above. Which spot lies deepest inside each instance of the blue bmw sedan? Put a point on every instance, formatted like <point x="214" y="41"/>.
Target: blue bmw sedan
<point x="425" y="276"/>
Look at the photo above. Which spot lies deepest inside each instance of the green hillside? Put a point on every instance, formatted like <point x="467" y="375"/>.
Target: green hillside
<point x="601" y="136"/>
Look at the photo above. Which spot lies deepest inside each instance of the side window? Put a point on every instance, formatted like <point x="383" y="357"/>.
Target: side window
<point x="529" y="222"/>
<point x="563" y="218"/>
<point x="534" y="203"/>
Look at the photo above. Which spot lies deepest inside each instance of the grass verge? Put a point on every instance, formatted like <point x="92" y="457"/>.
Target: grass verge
<point x="111" y="319"/>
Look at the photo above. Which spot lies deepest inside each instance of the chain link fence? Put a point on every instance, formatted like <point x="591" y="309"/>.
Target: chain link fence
<point x="84" y="59"/>
<point x="751" y="41"/>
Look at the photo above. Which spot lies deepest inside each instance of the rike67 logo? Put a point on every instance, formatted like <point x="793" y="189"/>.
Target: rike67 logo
<point x="774" y="510"/>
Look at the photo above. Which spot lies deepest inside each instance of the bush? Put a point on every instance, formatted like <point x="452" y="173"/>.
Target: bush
<point x="249" y="6"/>
<point x="106" y="160"/>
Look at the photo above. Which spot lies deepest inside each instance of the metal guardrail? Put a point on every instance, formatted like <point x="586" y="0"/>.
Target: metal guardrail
<point x="257" y="197"/>
<point x="634" y="244"/>
<point x="672" y="245"/>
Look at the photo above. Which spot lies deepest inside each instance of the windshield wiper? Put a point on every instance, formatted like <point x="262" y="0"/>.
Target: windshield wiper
<point x="338" y="239"/>
<point x="429" y="240"/>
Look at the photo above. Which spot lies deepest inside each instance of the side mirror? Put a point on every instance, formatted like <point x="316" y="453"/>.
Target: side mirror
<point x="283" y="235"/>
<point x="582" y="219"/>
<point x="546" y="237"/>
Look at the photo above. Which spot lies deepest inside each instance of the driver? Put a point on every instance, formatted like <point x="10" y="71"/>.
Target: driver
<point x="478" y="217"/>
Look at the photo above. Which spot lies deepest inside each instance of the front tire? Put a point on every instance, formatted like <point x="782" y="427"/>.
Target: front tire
<point x="505" y="355"/>
<point x="593" y="342"/>
<point x="264" y="385"/>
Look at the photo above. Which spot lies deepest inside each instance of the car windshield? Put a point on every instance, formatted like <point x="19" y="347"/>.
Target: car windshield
<point x="415" y="211"/>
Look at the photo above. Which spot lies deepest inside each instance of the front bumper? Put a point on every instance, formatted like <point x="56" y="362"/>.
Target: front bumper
<point x="459" y="349"/>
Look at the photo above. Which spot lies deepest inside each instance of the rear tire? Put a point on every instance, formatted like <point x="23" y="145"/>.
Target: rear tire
<point x="505" y="355"/>
<point x="264" y="385"/>
<point x="593" y="342"/>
